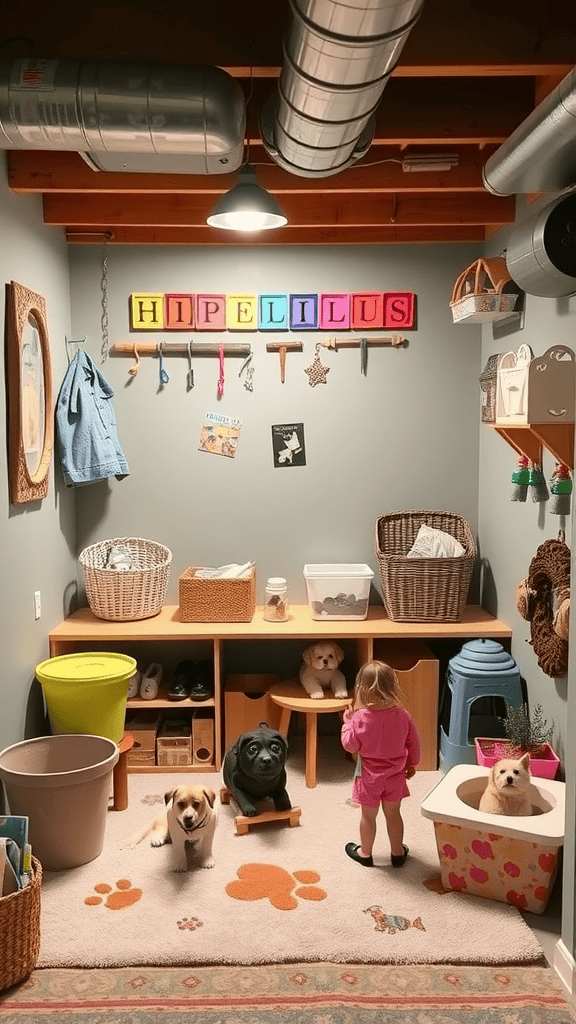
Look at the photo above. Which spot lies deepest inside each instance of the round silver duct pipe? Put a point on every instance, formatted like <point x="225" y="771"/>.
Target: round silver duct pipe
<point x="540" y="156"/>
<point x="541" y="252"/>
<point x="125" y="115"/>
<point x="338" y="58"/>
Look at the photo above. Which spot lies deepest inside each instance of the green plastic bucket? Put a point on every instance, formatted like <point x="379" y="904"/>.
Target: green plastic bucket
<point x="87" y="692"/>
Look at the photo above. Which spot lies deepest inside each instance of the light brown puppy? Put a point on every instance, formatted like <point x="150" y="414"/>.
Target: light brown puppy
<point x="507" y="789"/>
<point x="319" y="670"/>
<point x="188" y="820"/>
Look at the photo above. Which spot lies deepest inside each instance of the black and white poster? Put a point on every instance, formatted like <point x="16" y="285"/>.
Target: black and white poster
<point x="288" y="444"/>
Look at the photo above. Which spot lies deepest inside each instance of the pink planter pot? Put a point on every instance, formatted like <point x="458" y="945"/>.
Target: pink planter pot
<point x="543" y="765"/>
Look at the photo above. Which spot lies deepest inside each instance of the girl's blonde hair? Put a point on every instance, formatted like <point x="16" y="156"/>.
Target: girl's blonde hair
<point x="377" y="686"/>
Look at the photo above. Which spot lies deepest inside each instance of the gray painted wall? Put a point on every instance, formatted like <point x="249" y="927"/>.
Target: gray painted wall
<point x="403" y="436"/>
<point x="38" y="538"/>
<point x="407" y="435"/>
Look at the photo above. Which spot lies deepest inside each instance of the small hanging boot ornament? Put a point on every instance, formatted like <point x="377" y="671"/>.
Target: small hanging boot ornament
<point x="537" y="484"/>
<point x="560" y="489"/>
<point x="520" y="478"/>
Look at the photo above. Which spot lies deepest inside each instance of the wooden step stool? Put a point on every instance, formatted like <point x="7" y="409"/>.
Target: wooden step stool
<point x="242" y="822"/>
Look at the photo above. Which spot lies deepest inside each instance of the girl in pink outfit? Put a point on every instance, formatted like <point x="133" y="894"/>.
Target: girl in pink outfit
<point x="381" y="731"/>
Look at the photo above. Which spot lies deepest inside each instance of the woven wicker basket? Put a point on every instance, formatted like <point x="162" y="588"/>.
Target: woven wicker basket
<point x="478" y="294"/>
<point x="137" y="593"/>
<point x="216" y="600"/>
<point x="423" y="589"/>
<point x="20" y="930"/>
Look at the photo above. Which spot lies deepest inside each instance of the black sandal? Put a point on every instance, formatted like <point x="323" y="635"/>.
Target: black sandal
<point x="352" y="851"/>
<point x="398" y="859"/>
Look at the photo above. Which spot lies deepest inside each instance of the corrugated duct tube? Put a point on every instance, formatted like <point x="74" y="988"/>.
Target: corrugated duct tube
<point x="338" y="57"/>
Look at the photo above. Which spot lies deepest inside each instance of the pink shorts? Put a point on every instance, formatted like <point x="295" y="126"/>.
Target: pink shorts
<point x="372" y="792"/>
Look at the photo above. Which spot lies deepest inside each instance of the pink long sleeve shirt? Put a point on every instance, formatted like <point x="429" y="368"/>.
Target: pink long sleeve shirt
<point x="385" y="738"/>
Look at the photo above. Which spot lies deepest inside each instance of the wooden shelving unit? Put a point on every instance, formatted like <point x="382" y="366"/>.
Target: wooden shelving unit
<point x="83" y="631"/>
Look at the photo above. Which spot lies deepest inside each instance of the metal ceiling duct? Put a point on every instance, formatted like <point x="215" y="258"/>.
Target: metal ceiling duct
<point x="540" y="156"/>
<point x="338" y="57"/>
<point x="125" y="116"/>
<point x="541" y="252"/>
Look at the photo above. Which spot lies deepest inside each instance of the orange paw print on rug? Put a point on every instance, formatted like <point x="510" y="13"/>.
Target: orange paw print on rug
<point x="268" y="881"/>
<point x="117" y="899"/>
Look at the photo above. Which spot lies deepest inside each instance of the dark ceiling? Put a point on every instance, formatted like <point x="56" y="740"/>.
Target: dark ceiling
<point x="468" y="75"/>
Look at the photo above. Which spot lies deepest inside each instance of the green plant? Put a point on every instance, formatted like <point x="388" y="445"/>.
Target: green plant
<point x="527" y="732"/>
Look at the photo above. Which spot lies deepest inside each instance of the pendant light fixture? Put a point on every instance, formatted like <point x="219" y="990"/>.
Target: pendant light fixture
<point x="247" y="206"/>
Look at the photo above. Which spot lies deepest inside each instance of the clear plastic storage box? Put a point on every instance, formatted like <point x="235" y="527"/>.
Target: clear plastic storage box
<point x="338" y="591"/>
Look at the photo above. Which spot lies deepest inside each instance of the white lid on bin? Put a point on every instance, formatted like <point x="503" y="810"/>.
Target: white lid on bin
<point x="345" y="570"/>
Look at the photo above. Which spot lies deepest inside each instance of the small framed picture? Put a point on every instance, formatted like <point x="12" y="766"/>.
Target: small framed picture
<point x="288" y="444"/>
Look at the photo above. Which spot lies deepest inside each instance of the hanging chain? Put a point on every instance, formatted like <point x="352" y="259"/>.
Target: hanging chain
<point x="104" y="290"/>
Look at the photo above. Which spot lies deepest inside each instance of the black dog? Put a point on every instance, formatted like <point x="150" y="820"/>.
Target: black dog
<point x="254" y="769"/>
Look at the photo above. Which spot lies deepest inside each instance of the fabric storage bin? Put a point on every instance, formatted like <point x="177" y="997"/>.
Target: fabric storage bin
<point x="423" y="589"/>
<point x="20" y="930"/>
<point x="124" y="596"/>
<point x="338" y="591"/>
<point x="216" y="600"/>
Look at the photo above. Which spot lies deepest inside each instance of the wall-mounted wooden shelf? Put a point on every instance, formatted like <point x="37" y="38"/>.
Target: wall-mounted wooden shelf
<point x="529" y="438"/>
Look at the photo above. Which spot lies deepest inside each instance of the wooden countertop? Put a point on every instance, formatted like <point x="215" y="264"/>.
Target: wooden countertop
<point x="84" y="626"/>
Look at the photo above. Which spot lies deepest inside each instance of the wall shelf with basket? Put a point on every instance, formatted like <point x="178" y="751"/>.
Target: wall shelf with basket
<point x="529" y="401"/>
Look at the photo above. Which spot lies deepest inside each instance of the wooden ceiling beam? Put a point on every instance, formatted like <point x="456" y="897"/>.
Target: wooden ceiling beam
<point x="430" y="69"/>
<point x="379" y="171"/>
<point x="302" y="211"/>
<point x="333" y="235"/>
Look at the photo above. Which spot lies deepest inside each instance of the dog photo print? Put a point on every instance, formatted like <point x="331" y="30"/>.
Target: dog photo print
<point x="219" y="435"/>
<point x="288" y="444"/>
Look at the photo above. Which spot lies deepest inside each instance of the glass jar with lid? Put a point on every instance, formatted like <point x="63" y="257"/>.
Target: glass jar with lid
<point x="276" y="600"/>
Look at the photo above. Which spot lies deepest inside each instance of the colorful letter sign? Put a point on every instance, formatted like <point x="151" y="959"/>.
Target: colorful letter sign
<point x="272" y="312"/>
<point x="398" y="309"/>
<point x="211" y="312"/>
<point x="147" y="311"/>
<point x="242" y="312"/>
<point x="335" y="311"/>
<point x="367" y="309"/>
<point x="179" y="312"/>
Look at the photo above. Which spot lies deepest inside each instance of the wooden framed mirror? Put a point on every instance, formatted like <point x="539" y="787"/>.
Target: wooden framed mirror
<point x="30" y="414"/>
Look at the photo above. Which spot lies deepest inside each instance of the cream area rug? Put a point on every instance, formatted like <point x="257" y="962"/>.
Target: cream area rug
<point x="275" y="895"/>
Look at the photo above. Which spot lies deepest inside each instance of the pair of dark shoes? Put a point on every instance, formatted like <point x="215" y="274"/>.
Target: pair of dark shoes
<point x="353" y="851"/>
<point x="194" y="681"/>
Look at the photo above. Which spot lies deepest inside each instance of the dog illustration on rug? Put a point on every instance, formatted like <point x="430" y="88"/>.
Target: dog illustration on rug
<point x="393" y="923"/>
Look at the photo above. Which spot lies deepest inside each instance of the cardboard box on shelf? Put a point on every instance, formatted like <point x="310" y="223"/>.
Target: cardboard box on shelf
<point x="144" y="726"/>
<point x="140" y="757"/>
<point x="174" y="742"/>
<point x="203" y="737"/>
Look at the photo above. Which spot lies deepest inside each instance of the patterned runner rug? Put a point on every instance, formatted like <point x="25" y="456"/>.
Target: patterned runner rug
<point x="292" y="994"/>
<point x="277" y="894"/>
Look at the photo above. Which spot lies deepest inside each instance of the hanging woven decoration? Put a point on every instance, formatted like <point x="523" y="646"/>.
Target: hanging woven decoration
<point x="317" y="372"/>
<point x="520" y="479"/>
<point x="543" y="599"/>
<point x="537" y="484"/>
<point x="560" y="489"/>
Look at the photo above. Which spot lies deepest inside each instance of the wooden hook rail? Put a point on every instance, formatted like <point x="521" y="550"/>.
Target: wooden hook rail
<point x="357" y="340"/>
<point x="179" y="348"/>
<point x="283" y="347"/>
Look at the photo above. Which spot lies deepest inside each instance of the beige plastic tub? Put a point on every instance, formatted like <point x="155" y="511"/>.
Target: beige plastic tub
<point x="62" y="783"/>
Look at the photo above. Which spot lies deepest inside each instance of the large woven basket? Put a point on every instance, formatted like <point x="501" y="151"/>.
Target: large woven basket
<point x="423" y="589"/>
<point x="20" y="930"/>
<point x="137" y="593"/>
<point x="232" y="600"/>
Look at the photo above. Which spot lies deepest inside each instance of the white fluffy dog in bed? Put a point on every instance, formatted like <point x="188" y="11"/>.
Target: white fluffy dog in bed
<point x="319" y="670"/>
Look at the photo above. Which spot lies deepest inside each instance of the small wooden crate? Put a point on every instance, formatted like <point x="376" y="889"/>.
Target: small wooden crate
<point x="203" y="737"/>
<point x="174" y="743"/>
<point x="216" y="600"/>
<point x="242" y="823"/>
<point x="478" y="295"/>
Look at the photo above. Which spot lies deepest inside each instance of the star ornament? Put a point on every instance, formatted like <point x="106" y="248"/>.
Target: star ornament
<point x="316" y="371"/>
